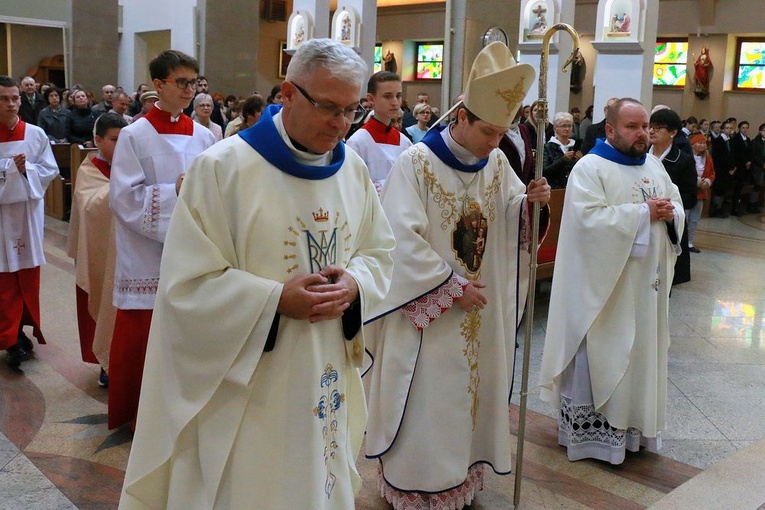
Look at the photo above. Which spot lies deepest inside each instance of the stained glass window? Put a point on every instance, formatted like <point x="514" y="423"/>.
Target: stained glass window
<point x="670" y="61"/>
<point x="750" y="72"/>
<point x="378" y="58"/>
<point x="430" y="61"/>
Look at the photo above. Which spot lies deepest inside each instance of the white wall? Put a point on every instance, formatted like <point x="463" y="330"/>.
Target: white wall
<point x="139" y="16"/>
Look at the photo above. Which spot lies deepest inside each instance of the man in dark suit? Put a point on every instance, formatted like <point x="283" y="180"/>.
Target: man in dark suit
<point x="597" y="130"/>
<point x="741" y="147"/>
<point x="725" y="170"/>
<point x="31" y="101"/>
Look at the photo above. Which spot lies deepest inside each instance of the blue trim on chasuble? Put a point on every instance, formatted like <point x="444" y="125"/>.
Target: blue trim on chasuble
<point x="436" y="143"/>
<point x="329" y="404"/>
<point x="608" y="152"/>
<point x="266" y="140"/>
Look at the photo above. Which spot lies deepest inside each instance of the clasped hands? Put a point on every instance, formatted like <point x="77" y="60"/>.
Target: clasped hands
<point x="20" y="160"/>
<point x="661" y="209"/>
<point x="318" y="296"/>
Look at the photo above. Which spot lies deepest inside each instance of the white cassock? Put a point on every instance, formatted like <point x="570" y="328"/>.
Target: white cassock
<point x="609" y="308"/>
<point x="22" y="211"/>
<point x="439" y="393"/>
<point x="221" y="423"/>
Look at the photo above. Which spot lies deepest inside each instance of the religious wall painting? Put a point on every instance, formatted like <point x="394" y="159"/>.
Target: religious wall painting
<point x="469" y="238"/>
<point x="324" y="239"/>
<point x="345" y="26"/>
<point x="284" y="59"/>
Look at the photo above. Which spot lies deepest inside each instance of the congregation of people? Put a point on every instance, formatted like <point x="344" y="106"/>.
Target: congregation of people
<point x="254" y="256"/>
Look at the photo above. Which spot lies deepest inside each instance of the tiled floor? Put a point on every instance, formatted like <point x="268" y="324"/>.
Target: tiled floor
<point x="56" y="453"/>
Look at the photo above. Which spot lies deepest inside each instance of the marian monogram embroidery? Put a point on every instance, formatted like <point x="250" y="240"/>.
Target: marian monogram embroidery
<point x="322" y="236"/>
<point x="644" y="189"/>
<point x="326" y="410"/>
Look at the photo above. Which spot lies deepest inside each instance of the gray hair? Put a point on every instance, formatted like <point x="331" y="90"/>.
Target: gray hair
<point x="202" y="97"/>
<point x="338" y="59"/>
<point x="562" y="117"/>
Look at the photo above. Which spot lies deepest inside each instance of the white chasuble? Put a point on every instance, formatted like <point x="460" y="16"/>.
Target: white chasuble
<point x="441" y="376"/>
<point x="221" y="423"/>
<point x="613" y="295"/>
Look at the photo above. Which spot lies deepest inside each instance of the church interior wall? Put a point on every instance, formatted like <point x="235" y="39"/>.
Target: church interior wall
<point x="95" y="44"/>
<point x="31" y="44"/>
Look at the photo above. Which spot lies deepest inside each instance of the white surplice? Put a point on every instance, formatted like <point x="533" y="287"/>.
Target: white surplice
<point x="22" y="212"/>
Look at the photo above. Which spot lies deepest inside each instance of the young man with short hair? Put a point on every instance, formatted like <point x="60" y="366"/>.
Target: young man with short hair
<point x="378" y="142"/>
<point x="27" y="166"/>
<point x="91" y="245"/>
<point x="150" y="159"/>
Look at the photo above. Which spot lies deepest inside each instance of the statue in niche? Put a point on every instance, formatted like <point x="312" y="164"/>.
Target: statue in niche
<point x="539" y="25"/>
<point x="389" y="62"/>
<point x="345" y="30"/>
<point x="298" y="33"/>
<point x="702" y="66"/>
<point x="620" y="24"/>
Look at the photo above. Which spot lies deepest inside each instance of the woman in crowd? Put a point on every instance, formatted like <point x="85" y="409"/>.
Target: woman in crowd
<point x="422" y="114"/>
<point x="531" y="124"/>
<point x="560" y="155"/>
<point x="52" y="118"/>
<point x="80" y="121"/>
<point x="203" y="107"/>
<point x="663" y="127"/>
<point x="705" y="172"/>
<point x="252" y="108"/>
<point x="276" y="95"/>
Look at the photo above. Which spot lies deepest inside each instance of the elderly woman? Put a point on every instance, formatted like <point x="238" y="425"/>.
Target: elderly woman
<point x="422" y="113"/>
<point x="560" y="156"/>
<point x="705" y="176"/>
<point x="663" y="127"/>
<point x="203" y="107"/>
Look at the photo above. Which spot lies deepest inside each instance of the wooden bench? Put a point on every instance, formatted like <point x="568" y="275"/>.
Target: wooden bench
<point x="548" y="249"/>
<point x="56" y="194"/>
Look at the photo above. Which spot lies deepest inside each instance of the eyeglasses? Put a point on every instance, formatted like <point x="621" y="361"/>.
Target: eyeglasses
<point x="182" y="83"/>
<point x="425" y="113"/>
<point x="565" y="126"/>
<point x="203" y="105"/>
<point x="656" y="128"/>
<point x="351" y="114"/>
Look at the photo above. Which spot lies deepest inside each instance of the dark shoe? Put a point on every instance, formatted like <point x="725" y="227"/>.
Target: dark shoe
<point x="721" y="214"/>
<point x="15" y="355"/>
<point x="103" y="379"/>
<point x="694" y="249"/>
<point x="25" y="343"/>
<point x="736" y="213"/>
<point x="753" y="208"/>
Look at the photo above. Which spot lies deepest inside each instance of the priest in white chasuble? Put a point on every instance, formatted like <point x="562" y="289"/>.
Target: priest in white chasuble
<point x="444" y="346"/>
<point x="277" y="251"/>
<point x="605" y="353"/>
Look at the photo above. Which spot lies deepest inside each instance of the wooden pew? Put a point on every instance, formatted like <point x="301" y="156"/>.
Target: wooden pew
<point x="547" y="251"/>
<point x="56" y="195"/>
<point x="77" y="156"/>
